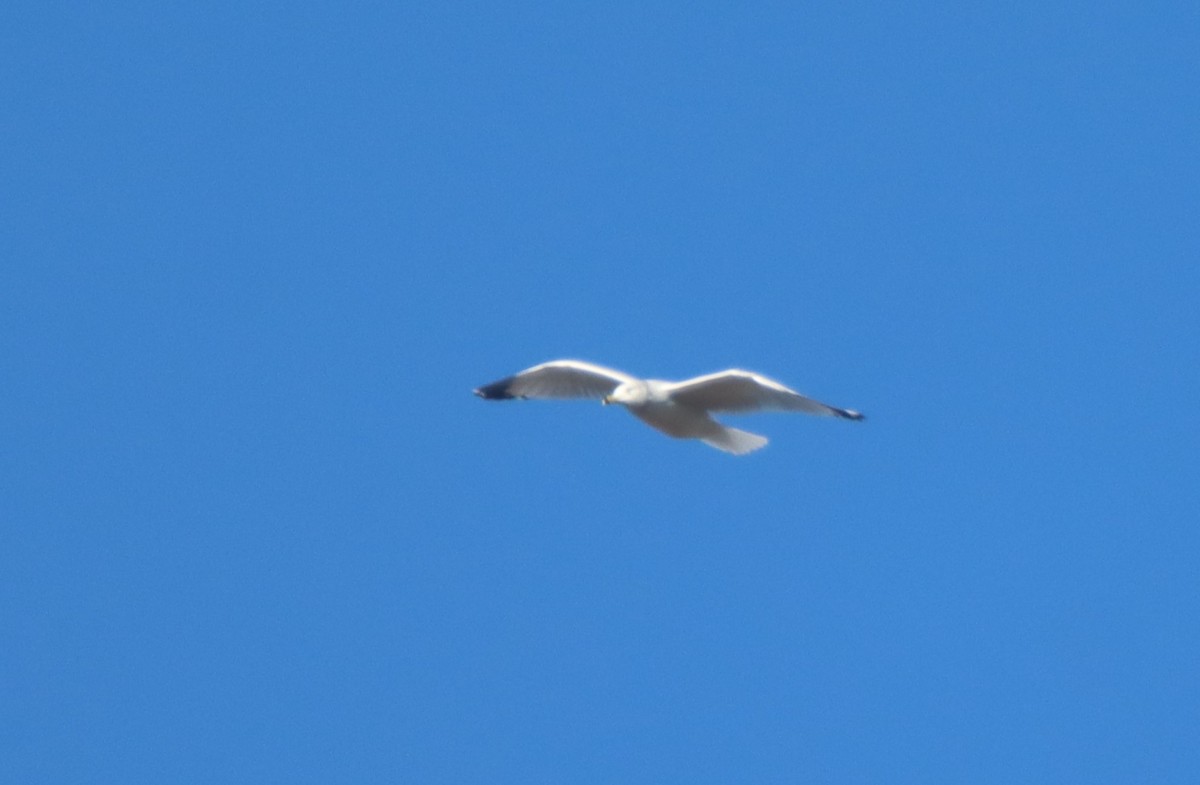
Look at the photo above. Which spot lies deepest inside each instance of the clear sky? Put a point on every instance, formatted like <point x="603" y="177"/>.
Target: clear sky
<point x="255" y="528"/>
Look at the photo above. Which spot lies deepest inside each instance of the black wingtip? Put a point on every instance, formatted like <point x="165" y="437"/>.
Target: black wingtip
<point x="850" y="414"/>
<point x="496" y="391"/>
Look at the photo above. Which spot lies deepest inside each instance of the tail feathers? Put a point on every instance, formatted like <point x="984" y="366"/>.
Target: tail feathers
<point x="735" y="441"/>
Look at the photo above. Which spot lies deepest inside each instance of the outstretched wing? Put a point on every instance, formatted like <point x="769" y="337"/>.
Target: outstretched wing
<point x="743" y="391"/>
<point x="557" y="379"/>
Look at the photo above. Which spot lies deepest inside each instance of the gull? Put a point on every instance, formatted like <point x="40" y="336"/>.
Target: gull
<point x="678" y="409"/>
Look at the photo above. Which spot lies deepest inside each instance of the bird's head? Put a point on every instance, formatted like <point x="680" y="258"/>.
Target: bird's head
<point x="627" y="393"/>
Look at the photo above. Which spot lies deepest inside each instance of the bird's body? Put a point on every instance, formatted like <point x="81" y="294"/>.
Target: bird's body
<point x="678" y="409"/>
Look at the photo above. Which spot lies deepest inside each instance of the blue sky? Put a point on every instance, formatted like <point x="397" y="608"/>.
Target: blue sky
<point x="255" y="527"/>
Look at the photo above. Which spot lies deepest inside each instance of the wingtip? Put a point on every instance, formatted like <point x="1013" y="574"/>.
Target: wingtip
<point x="496" y="391"/>
<point x="850" y="414"/>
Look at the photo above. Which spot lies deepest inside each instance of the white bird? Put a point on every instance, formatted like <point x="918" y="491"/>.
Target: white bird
<point x="679" y="409"/>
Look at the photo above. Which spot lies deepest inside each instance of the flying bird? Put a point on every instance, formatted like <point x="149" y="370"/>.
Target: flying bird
<point x="679" y="409"/>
